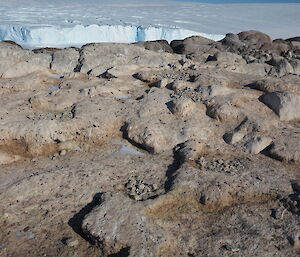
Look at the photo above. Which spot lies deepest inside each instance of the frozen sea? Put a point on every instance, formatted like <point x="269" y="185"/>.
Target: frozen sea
<point x="76" y="22"/>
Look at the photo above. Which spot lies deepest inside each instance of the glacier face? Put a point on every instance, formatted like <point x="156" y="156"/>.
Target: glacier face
<point x="74" y="22"/>
<point x="80" y="35"/>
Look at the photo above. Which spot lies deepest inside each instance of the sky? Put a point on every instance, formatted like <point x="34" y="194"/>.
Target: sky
<point x="241" y="1"/>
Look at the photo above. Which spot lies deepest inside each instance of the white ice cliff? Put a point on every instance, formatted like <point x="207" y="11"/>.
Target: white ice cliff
<point x="79" y="34"/>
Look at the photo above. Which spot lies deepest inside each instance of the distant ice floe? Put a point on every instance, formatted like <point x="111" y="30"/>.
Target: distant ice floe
<point x="80" y="35"/>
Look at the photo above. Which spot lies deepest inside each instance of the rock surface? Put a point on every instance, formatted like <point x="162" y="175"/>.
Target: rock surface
<point x="284" y="104"/>
<point x="151" y="149"/>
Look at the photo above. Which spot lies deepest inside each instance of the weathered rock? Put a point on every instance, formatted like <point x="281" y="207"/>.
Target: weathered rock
<point x="280" y="46"/>
<point x="258" y="69"/>
<point x="28" y="65"/>
<point x="236" y="63"/>
<point x="183" y="107"/>
<point x="7" y="158"/>
<point x="118" y="233"/>
<point x="95" y="59"/>
<point x="212" y="91"/>
<point x="288" y="83"/>
<point x="191" y="150"/>
<point x="285" y="105"/>
<point x="223" y="111"/>
<point x="257" y="144"/>
<point x="232" y="42"/>
<point x="296" y="241"/>
<point x="150" y="77"/>
<point x="140" y="190"/>
<point x="190" y="45"/>
<point x="161" y="83"/>
<point x="296" y="186"/>
<point x="246" y="127"/>
<point x="65" y="60"/>
<point x="156" y="46"/>
<point x="296" y="65"/>
<point x="295" y="45"/>
<point x="286" y="147"/>
<point x="227" y="58"/>
<point x="18" y="62"/>
<point x="282" y="65"/>
<point x="72" y="242"/>
<point x="215" y="194"/>
<point x="256" y="38"/>
<point x="216" y="156"/>
<point x="179" y="85"/>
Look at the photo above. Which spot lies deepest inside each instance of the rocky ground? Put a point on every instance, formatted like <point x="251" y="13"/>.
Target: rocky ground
<point x="150" y="149"/>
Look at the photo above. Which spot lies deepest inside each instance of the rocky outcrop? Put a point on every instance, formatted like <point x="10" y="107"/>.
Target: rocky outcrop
<point x="96" y="59"/>
<point x="17" y="62"/>
<point x="285" y="105"/>
<point x="255" y="38"/>
<point x="286" y="147"/>
<point x="288" y="83"/>
<point x="156" y="46"/>
<point x="133" y="227"/>
<point x="64" y="61"/>
<point x="191" y="45"/>
<point x="133" y="150"/>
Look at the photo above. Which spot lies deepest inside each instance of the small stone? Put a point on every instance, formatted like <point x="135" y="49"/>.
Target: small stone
<point x="139" y="190"/>
<point x="71" y="242"/>
<point x="78" y="149"/>
<point x="183" y="107"/>
<point x="162" y="83"/>
<point x="179" y="85"/>
<point x="52" y="157"/>
<point x="62" y="152"/>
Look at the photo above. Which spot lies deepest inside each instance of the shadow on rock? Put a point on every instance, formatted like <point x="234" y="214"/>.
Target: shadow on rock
<point x="76" y="221"/>
<point x="132" y="142"/>
<point x="123" y="253"/>
<point x="178" y="160"/>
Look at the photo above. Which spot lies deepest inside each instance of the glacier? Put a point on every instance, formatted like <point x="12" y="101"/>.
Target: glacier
<point x="79" y="35"/>
<point x="43" y="23"/>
